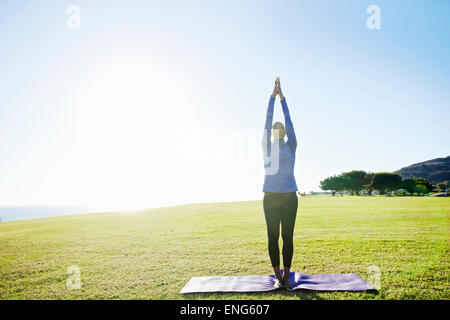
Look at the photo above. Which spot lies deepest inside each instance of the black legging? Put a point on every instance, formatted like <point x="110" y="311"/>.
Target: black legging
<point x="280" y="207"/>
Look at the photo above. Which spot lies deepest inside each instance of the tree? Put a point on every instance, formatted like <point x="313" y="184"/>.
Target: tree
<point x="443" y="186"/>
<point x="409" y="185"/>
<point x="423" y="183"/>
<point x="417" y="185"/>
<point x="369" y="186"/>
<point x="420" y="189"/>
<point x="328" y="185"/>
<point x="423" y="186"/>
<point x="386" y="181"/>
<point x="356" y="181"/>
<point x="341" y="183"/>
<point x="334" y="184"/>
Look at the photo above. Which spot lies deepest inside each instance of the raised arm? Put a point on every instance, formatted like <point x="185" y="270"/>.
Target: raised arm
<point x="268" y="127"/>
<point x="290" y="133"/>
<point x="292" y="140"/>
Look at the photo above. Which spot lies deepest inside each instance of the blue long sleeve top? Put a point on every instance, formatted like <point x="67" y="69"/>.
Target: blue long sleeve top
<point x="279" y="157"/>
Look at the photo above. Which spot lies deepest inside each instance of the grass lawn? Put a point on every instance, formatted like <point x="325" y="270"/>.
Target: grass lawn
<point x="151" y="254"/>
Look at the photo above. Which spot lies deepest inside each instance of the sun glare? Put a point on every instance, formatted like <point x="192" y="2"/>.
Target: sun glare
<point x="120" y="119"/>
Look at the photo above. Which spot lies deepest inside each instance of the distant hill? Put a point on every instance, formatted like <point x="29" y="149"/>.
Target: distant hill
<point x="436" y="170"/>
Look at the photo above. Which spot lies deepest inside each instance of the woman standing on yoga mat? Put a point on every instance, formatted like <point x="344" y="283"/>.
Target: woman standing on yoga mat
<point x="280" y="198"/>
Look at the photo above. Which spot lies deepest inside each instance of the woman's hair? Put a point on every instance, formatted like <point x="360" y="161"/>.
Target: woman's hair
<point x="278" y="124"/>
<point x="280" y="127"/>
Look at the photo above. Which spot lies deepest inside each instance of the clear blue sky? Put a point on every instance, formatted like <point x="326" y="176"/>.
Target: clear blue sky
<point x="91" y="116"/>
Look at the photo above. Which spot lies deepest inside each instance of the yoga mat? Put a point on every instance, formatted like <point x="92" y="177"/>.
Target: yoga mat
<point x="254" y="283"/>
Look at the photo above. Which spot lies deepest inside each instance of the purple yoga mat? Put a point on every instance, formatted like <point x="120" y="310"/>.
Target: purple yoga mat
<point x="317" y="282"/>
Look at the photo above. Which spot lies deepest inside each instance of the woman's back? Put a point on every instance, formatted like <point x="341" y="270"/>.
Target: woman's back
<point x="279" y="156"/>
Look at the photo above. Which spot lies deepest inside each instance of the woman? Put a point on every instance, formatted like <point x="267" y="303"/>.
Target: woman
<point x="280" y="198"/>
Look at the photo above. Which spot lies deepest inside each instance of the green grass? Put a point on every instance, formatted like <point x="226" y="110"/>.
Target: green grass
<point x="151" y="254"/>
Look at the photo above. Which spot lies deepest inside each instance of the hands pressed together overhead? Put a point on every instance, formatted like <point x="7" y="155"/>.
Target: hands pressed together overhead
<point x="277" y="89"/>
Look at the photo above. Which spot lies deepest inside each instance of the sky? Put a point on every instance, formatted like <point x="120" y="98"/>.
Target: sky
<point x="154" y="103"/>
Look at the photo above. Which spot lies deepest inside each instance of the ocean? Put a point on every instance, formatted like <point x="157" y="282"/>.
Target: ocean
<point x="12" y="213"/>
